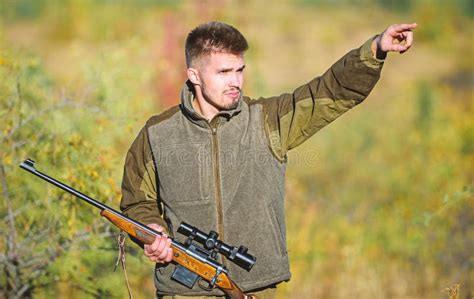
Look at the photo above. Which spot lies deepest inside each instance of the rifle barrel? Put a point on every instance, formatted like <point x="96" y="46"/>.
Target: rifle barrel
<point x="29" y="165"/>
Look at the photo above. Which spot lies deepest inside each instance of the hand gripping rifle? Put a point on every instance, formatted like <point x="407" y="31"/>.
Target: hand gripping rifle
<point x="193" y="262"/>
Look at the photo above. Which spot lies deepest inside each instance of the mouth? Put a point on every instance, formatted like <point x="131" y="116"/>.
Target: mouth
<point x="234" y="94"/>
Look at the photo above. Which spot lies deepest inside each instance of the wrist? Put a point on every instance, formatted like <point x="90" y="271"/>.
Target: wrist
<point x="376" y="48"/>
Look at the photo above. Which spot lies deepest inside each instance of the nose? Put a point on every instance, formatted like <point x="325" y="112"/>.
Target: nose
<point x="235" y="80"/>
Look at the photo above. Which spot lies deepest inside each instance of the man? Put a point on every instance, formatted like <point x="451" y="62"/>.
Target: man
<point x="217" y="161"/>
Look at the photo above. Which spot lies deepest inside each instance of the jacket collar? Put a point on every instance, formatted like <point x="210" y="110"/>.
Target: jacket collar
<point x="187" y="98"/>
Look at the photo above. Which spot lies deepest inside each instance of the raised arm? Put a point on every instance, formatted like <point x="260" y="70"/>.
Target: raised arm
<point x="292" y="118"/>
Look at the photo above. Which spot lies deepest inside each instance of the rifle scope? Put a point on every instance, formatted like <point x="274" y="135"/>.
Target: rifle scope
<point x="239" y="256"/>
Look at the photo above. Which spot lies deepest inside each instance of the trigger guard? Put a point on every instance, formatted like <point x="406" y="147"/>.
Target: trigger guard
<point x="207" y="287"/>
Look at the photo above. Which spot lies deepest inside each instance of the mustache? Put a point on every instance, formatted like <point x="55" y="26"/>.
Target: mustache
<point x="233" y="89"/>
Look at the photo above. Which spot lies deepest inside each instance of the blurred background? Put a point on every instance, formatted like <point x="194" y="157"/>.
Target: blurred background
<point x="379" y="204"/>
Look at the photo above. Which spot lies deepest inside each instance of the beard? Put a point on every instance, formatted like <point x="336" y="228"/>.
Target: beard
<point x="230" y="106"/>
<point x="222" y="106"/>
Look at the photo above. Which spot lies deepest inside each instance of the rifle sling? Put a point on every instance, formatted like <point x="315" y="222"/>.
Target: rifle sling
<point x="121" y="258"/>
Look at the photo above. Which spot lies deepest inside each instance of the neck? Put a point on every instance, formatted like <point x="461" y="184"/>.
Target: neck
<point x="202" y="107"/>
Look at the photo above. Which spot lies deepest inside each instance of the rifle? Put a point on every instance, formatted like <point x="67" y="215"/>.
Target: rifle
<point x="193" y="263"/>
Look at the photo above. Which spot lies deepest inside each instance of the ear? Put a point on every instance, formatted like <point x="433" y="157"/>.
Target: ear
<point x="193" y="76"/>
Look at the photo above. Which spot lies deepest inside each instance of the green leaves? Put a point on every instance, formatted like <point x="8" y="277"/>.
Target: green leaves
<point x="46" y="231"/>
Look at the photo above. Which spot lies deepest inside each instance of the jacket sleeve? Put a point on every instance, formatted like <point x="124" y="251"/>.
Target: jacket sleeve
<point x="290" y="119"/>
<point x="139" y="186"/>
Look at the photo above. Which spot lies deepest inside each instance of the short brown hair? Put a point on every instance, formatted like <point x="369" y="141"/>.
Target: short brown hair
<point x="213" y="37"/>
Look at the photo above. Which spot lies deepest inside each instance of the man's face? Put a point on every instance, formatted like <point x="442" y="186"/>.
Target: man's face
<point x="221" y="77"/>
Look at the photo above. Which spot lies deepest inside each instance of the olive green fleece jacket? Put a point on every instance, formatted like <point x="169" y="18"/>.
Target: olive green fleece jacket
<point x="228" y="174"/>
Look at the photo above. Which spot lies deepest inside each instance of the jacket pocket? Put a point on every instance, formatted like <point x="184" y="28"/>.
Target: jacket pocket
<point x="277" y="229"/>
<point x="184" y="173"/>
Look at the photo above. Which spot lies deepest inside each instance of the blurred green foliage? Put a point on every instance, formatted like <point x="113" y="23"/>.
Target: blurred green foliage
<point x="45" y="231"/>
<point x="379" y="204"/>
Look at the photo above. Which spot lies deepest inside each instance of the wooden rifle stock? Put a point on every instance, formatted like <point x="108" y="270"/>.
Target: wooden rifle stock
<point x="180" y="257"/>
<point x="205" y="268"/>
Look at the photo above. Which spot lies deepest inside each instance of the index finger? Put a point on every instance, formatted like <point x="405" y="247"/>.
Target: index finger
<point x="404" y="27"/>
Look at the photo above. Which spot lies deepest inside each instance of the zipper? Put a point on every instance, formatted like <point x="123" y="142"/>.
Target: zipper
<point x="217" y="182"/>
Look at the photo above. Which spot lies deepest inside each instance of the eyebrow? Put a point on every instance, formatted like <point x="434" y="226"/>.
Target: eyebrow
<point x="230" y="69"/>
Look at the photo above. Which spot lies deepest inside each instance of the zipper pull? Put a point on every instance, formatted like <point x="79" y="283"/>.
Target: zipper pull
<point x="214" y="131"/>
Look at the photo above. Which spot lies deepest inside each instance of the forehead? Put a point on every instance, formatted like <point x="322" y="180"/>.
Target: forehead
<point x="222" y="60"/>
